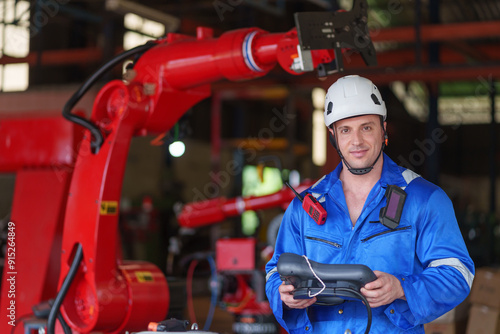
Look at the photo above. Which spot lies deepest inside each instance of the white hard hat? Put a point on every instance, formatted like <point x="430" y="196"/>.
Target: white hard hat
<point x="351" y="96"/>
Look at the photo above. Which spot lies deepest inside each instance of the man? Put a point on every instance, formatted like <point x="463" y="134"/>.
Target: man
<point x="422" y="266"/>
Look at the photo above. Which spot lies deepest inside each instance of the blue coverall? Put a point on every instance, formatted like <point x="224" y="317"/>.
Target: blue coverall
<point x="426" y="252"/>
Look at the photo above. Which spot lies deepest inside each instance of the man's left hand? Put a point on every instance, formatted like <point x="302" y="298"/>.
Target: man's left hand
<point x="384" y="290"/>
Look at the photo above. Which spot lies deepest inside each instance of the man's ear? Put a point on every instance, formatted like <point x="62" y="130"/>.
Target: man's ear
<point x="331" y="137"/>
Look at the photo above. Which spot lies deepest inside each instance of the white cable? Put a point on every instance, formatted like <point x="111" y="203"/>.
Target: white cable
<point x="319" y="279"/>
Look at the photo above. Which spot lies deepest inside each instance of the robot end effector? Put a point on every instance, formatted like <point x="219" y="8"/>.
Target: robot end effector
<point x="333" y="31"/>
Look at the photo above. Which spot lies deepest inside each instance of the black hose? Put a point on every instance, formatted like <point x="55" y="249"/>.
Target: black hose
<point x="97" y="140"/>
<point x="368" y="308"/>
<point x="54" y="311"/>
<point x="63" y="323"/>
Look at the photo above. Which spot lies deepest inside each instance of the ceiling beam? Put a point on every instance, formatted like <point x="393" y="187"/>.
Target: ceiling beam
<point x="57" y="57"/>
<point x="438" y="32"/>
<point x="429" y="74"/>
<point x="406" y="56"/>
<point x="170" y="22"/>
<point x="469" y="51"/>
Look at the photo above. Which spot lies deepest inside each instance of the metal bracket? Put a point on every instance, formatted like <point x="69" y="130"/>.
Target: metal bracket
<point x="305" y="60"/>
<point x="337" y="31"/>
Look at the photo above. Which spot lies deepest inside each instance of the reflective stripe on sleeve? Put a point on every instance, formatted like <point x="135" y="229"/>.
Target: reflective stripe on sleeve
<point x="458" y="265"/>
<point x="271" y="272"/>
<point x="409" y="176"/>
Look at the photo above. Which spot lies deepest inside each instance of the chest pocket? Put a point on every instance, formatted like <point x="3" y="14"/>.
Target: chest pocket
<point x="391" y="249"/>
<point x="385" y="232"/>
<point x="322" y="247"/>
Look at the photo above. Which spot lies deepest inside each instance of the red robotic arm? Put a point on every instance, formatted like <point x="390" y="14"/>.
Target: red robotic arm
<point x="176" y="73"/>
<point x="212" y="211"/>
<point x="168" y="79"/>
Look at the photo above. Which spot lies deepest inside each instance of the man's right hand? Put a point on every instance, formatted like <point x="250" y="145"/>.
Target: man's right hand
<point x="286" y="294"/>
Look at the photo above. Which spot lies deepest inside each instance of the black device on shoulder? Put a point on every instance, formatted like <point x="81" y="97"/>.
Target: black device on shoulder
<point x="390" y="215"/>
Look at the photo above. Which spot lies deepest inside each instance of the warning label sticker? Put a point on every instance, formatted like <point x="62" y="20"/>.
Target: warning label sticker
<point x="109" y="208"/>
<point x="144" y="276"/>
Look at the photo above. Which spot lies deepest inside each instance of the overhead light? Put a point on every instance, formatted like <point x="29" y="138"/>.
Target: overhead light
<point x="16" y="77"/>
<point x="319" y="138"/>
<point x="124" y="7"/>
<point x="177" y="149"/>
<point x="318" y="97"/>
<point x="319" y="128"/>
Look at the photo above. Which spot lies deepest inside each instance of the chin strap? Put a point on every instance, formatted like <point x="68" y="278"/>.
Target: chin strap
<point x="358" y="171"/>
<point x="361" y="171"/>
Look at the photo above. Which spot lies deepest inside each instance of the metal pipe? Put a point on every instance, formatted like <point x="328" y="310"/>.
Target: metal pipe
<point x="432" y="162"/>
<point x="493" y="148"/>
<point x="439" y="32"/>
<point x="418" y="39"/>
<point x="215" y="122"/>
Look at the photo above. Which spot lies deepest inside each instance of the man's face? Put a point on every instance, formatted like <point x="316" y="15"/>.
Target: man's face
<point x="359" y="139"/>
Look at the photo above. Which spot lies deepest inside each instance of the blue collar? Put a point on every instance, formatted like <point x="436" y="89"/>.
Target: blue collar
<point x="391" y="174"/>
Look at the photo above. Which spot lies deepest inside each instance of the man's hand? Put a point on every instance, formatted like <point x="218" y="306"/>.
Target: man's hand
<point x="286" y="294"/>
<point x="384" y="290"/>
